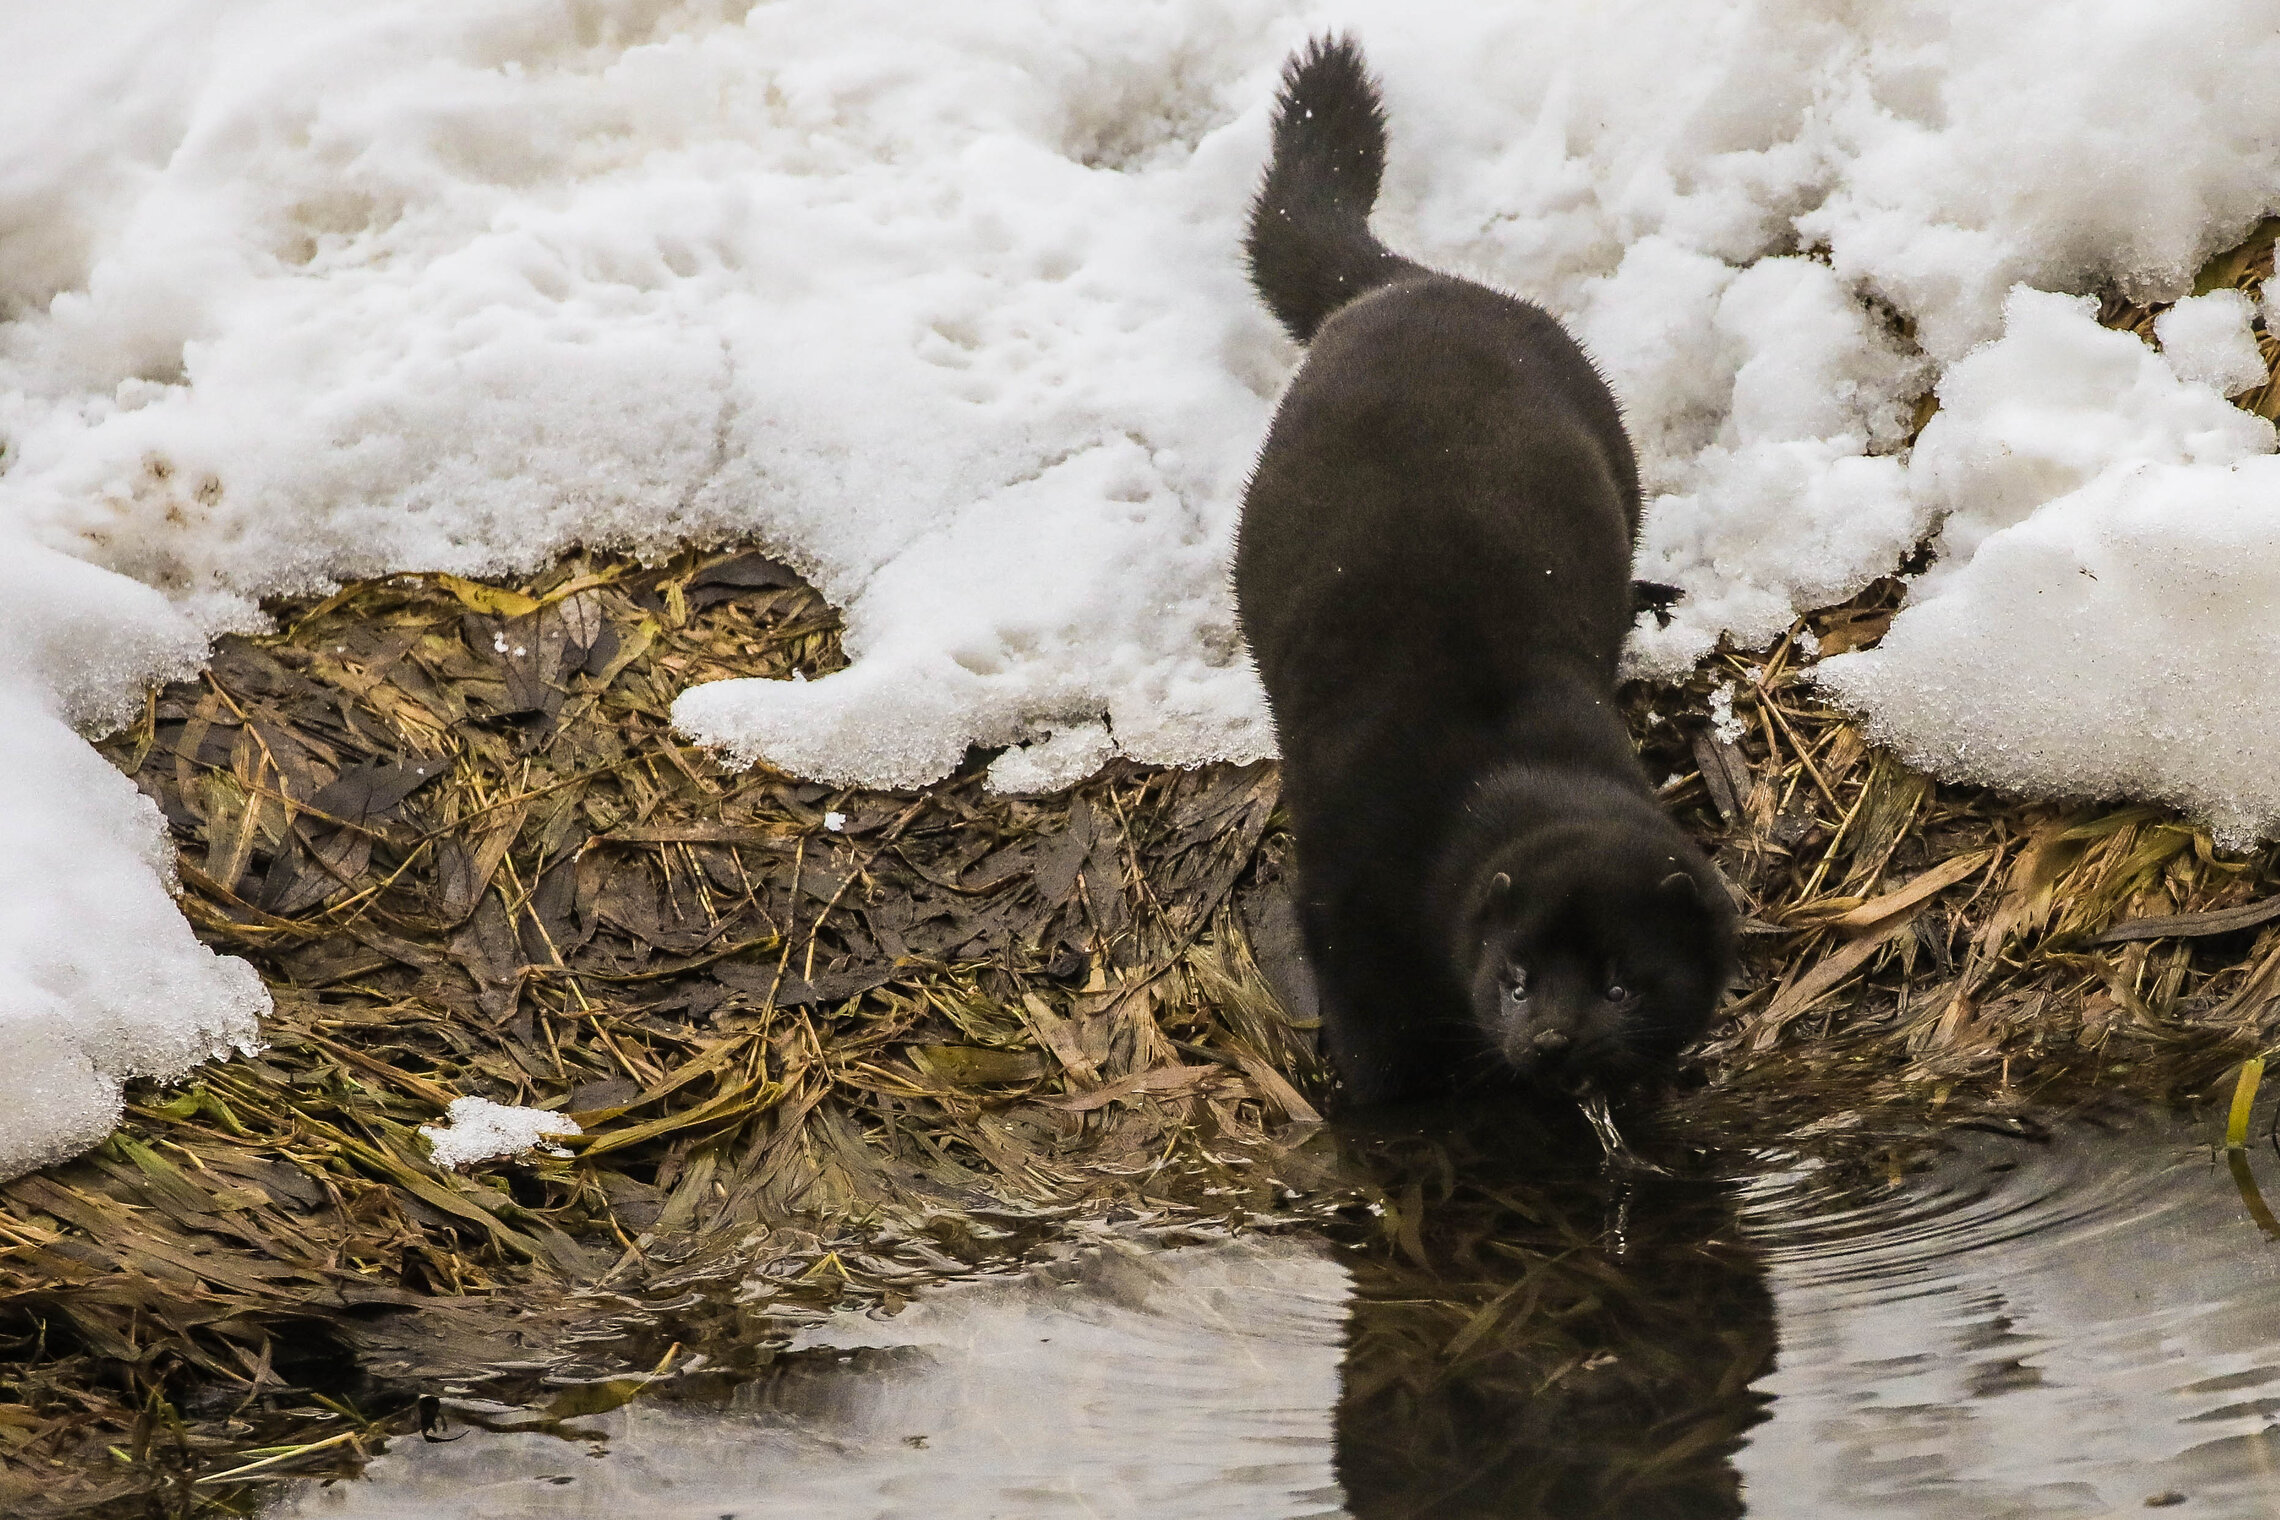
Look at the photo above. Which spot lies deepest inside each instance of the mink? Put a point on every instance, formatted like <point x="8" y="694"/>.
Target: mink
<point x="1433" y="576"/>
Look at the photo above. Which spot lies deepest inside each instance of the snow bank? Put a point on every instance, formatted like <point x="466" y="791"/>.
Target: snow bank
<point x="100" y="977"/>
<point x="2098" y="619"/>
<point x="942" y="303"/>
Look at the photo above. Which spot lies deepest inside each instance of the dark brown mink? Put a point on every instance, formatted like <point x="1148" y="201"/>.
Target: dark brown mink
<point x="1433" y="574"/>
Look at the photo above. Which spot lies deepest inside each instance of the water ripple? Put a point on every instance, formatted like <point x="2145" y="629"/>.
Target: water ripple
<point x="2025" y="1329"/>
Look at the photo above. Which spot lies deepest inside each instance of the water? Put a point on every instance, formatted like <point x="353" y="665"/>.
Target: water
<point x="2082" y="1323"/>
<point x="1195" y="1381"/>
<point x="2081" y="1328"/>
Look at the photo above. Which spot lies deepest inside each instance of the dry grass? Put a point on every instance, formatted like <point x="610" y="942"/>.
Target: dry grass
<point x="847" y="1054"/>
<point x="1951" y="935"/>
<point x="450" y="824"/>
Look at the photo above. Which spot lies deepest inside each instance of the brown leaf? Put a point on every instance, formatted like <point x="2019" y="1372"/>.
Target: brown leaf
<point x="1056" y="870"/>
<point x="1104" y="892"/>
<point x="487" y="946"/>
<point x="1725" y="773"/>
<point x="796" y="991"/>
<point x="978" y="1066"/>
<point x="745" y="573"/>
<point x="467" y="860"/>
<point x="550" y="928"/>
<point x="319" y="862"/>
<point x="335" y="958"/>
<point x="2192" y="925"/>
<point x="365" y="795"/>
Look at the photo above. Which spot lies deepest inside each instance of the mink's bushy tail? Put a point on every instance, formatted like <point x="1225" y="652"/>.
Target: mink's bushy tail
<point x="1310" y="244"/>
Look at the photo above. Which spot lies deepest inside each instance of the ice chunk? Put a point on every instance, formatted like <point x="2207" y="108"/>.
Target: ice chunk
<point x="476" y="1129"/>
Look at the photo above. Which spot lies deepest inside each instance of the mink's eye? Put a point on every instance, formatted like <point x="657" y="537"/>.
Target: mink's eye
<point x="1517" y="988"/>
<point x="1617" y="992"/>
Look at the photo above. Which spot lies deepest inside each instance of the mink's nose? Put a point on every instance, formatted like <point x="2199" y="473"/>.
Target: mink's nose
<point x="1550" y="1041"/>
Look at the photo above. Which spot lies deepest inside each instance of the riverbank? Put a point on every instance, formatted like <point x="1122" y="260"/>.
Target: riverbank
<point x="835" y="1044"/>
<point x="824" y="1046"/>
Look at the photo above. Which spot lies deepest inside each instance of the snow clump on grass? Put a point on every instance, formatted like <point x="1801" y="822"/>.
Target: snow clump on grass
<point x="476" y="1129"/>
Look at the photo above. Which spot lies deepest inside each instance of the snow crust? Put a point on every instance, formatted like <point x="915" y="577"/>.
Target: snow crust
<point x="476" y="1129"/>
<point x="1055" y="761"/>
<point x="943" y="305"/>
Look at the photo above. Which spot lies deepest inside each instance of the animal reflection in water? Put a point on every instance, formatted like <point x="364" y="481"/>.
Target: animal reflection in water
<point x="1529" y="1338"/>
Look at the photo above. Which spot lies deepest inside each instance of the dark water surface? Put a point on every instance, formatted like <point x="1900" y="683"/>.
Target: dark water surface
<point x="2075" y="1323"/>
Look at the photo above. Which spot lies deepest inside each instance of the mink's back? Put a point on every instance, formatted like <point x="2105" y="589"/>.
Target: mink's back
<point x="1434" y="564"/>
<point x="1433" y="574"/>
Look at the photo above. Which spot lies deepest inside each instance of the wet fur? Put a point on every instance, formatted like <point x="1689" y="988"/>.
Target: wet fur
<point x="1433" y="574"/>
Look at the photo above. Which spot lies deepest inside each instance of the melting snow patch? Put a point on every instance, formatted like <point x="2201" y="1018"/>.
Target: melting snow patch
<point x="2091" y="624"/>
<point x="101" y="979"/>
<point x="476" y="1129"/>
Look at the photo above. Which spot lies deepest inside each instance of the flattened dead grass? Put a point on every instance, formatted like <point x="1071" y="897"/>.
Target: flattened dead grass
<point x="844" y="1041"/>
<point x="833" y="1044"/>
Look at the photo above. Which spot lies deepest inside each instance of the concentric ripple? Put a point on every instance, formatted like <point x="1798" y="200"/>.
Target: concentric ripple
<point x="2084" y="1326"/>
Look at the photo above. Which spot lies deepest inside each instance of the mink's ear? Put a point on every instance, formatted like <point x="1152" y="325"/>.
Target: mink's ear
<point x="1680" y="884"/>
<point x="1499" y="884"/>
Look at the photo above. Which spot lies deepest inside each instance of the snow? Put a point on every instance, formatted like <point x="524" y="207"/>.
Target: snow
<point x="476" y="1129"/>
<point x="2093" y="622"/>
<point x="2056" y="402"/>
<point x="2207" y="339"/>
<point x="942" y="304"/>
<point x="100" y="976"/>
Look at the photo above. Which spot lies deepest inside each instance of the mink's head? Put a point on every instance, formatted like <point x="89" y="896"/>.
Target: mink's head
<point x="1599" y="953"/>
